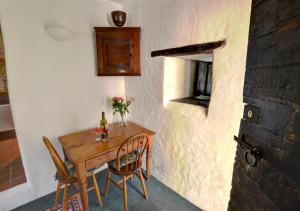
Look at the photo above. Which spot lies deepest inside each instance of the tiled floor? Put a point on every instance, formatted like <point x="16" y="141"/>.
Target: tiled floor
<point x="11" y="166"/>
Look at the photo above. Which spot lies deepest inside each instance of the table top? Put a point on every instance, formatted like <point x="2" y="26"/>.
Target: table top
<point x="81" y="146"/>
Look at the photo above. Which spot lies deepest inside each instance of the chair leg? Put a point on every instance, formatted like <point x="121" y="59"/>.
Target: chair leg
<point x="132" y="177"/>
<point x="125" y="193"/>
<point x="65" y="199"/>
<point x="97" y="190"/>
<point x="57" y="193"/>
<point x="107" y="182"/>
<point x="143" y="183"/>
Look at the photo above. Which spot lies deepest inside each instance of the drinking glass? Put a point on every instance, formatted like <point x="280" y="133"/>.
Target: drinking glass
<point x="97" y="129"/>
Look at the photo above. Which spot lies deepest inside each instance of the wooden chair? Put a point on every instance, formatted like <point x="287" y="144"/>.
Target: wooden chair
<point x="66" y="175"/>
<point x="128" y="163"/>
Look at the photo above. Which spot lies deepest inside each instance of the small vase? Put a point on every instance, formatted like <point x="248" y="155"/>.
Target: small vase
<point x="123" y="122"/>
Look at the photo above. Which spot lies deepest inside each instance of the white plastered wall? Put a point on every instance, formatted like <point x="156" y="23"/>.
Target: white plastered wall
<point x="53" y="85"/>
<point x="179" y="75"/>
<point x="193" y="150"/>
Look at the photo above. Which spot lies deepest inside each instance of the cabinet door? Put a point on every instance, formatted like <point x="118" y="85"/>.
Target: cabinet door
<point x="118" y="53"/>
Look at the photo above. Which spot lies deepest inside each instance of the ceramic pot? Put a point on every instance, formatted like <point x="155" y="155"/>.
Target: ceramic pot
<point x="118" y="17"/>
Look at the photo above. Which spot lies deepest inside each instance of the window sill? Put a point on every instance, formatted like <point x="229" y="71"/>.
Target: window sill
<point x="193" y="101"/>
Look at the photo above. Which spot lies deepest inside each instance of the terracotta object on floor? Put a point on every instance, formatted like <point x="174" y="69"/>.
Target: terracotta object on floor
<point x="11" y="167"/>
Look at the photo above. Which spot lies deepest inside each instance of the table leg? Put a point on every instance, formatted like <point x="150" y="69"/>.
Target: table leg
<point x="82" y="182"/>
<point x="149" y="158"/>
<point x="65" y="156"/>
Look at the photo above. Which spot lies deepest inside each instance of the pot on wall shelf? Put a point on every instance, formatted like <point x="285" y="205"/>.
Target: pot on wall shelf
<point x="118" y="17"/>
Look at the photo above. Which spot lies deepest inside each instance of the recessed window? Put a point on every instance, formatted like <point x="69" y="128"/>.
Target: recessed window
<point x="188" y="79"/>
<point x="188" y="72"/>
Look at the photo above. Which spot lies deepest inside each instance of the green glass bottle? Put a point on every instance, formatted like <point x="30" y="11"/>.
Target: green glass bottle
<point x="103" y="126"/>
<point x="103" y="121"/>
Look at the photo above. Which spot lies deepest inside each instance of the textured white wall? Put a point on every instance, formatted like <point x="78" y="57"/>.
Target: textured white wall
<point x="179" y="77"/>
<point x="53" y="86"/>
<point x="194" y="150"/>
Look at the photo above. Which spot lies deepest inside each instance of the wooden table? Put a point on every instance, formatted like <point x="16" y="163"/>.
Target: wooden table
<point x="82" y="150"/>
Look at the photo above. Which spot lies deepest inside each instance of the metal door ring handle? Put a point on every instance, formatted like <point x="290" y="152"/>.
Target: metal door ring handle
<point x="250" y="158"/>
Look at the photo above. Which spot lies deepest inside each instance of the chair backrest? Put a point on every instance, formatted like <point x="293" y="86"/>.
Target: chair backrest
<point x="131" y="153"/>
<point x="62" y="172"/>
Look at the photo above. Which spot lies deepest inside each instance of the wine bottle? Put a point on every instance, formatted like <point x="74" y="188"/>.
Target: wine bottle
<point x="103" y="121"/>
<point x="103" y="125"/>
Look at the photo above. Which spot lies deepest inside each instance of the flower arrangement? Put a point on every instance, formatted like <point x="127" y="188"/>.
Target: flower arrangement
<point x="120" y="105"/>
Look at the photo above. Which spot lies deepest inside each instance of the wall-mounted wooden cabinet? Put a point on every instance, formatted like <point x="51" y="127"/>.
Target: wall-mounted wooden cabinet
<point x="118" y="51"/>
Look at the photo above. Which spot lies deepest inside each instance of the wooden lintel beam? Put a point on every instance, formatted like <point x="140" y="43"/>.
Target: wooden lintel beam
<point x="189" y="49"/>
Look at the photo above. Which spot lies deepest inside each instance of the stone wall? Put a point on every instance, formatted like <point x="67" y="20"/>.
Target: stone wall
<point x="194" y="148"/>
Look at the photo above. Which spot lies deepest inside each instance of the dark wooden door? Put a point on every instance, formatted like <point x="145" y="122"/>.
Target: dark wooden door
<point x="270" y="129"/>
<point x="118" y="50"/>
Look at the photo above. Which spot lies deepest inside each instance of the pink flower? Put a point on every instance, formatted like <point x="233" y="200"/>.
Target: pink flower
<point x="120" y="99"/>
<point x="129" y="100"/>
<point x="117" y="99"/>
